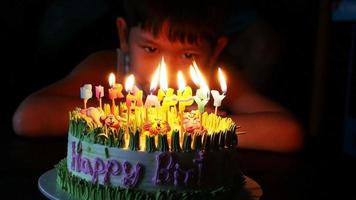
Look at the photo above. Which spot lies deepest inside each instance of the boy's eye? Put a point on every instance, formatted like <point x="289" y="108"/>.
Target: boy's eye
<point x="188" y="55"/>
<point x="150" y="49"/>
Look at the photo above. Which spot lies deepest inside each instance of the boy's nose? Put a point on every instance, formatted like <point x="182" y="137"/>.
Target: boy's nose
<point x="171" y="62"/>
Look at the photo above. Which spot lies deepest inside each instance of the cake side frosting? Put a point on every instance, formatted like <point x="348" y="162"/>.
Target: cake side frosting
<point x="151" y="171"/>
<point x="191" y="153"/>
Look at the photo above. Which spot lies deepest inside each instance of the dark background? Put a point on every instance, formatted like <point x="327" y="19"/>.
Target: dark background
<point x="274" y="43"/>
<point x="301" y="55"/>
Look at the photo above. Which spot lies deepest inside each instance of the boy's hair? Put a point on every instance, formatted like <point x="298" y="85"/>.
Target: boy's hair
<point x="188" y="20"/>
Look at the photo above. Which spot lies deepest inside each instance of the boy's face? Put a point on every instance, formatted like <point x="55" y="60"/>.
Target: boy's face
<point x="146" y="51"/>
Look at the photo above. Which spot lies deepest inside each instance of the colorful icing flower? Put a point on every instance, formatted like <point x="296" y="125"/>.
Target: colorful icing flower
<point x="113" y="121"/>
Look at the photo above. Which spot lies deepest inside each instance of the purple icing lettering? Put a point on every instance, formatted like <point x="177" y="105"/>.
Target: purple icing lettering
<point x="99" y="168"/>
<point x="199" y="162"/>
<point x="186" y="175"/>
<point x="176" y="175"/>
<point x="131" y="179"/>
<point x="76" y="158"/>
<point x="113" y="167"/>
<point x="86" y="166"/>
<point x="164" y="170"/>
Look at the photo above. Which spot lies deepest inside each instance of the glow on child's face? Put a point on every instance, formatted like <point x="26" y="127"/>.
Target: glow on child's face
<point x="146" y="52"/>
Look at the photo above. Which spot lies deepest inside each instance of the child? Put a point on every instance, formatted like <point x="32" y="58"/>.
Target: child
<point x="179" y="31"/>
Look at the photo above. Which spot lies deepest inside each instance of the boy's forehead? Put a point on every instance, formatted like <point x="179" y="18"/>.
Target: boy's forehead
<point x="163" y="37"/>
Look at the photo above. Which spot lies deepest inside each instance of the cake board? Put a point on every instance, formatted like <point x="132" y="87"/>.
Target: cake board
<point x="48" y="187"/>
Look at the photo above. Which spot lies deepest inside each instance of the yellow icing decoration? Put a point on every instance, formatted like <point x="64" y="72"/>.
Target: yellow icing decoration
<point x="160" y="95"/>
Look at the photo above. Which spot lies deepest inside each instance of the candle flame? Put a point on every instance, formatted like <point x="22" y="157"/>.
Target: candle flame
<point x="181" y="81"/>
<point x="198" y="78"/>
<point x="154" y="81"/>
<point x="194" y="75"/>
<point x="205" y="88"/>
<point x="112" y="79"/>
<point x="222" y="81"/>
<point x="163" y="83"/>
<point x="129" y="83"/>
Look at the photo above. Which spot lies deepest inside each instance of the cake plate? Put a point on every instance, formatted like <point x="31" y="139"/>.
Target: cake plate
<point x="47" y="185"/>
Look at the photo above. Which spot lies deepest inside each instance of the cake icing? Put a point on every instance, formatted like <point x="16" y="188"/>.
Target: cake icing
<point x="106" y="155"/>
<point x="150" y="151"/>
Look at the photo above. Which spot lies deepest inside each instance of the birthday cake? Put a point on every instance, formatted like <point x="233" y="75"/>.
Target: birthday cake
<point x="155" y="150"/>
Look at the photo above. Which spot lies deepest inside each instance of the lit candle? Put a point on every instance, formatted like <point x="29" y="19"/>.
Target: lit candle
<point x="217" y="97"/>
<point x="202" y="94"/>
<point x="99" y="93"/>
<point x="128" y="87"/>
<point x="184" y="93"/>
<point x="115" y="91"/>
<point x="112" y="90"/>
<point x="185" y="99"/>
<point x="163" y="83"/>
<point x="165" y="94"/>
<point x="86" y="93"/>
<point x="129" y="83"/>
<point x="181" y="83"/>
<point x="151" y="99"/>
<point x="138" y="95"/>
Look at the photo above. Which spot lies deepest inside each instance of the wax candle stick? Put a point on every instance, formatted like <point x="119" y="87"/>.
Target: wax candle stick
<point x="152" y="100"/>
<point x="99" y="93"/>
<point x="201" y="99"/>
<point x="138" y="97"/>
<point x="118" y="88"/>
<point x="184" y="94"/>
<point x="165" y="94"/>
<point x="86" y="93"/>
<point x="130" y="81"/>
<point x="113" y="91"/>
<point x="217" y="97"/>
<point x="186" y="99"/>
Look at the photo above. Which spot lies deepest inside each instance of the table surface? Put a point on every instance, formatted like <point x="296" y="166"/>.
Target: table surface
<point x="312" y="174"/>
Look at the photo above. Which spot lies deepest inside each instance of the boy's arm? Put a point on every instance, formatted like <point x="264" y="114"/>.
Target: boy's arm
<point x="46" y="112"/>
<point x="268" y="125"/>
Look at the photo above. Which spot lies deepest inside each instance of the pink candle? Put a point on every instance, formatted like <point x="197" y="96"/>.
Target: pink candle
<point x="152" y="100"/>
<point x="99" y="93"/>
